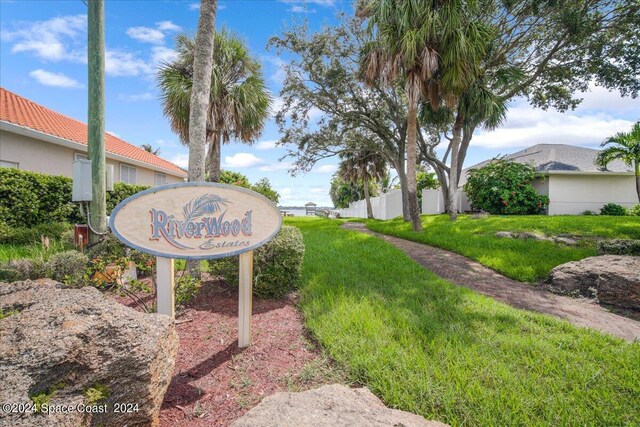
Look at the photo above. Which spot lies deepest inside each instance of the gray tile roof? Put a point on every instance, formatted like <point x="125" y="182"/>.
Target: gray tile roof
<point x="561" y="157"/>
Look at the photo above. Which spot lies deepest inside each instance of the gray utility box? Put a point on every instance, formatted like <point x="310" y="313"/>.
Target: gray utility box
<point x="81" y="189"/>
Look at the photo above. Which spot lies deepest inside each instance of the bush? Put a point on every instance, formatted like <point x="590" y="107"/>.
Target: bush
<point x="33" y="234"/>
<point x="68" y="267"/>
<point x="187" y="288"/>
<point x="634" y="211"/>
<point x="589" y="213"/>
<point x="619" y="247"/>
<point x="30" y="198"/>
<point x="29" y="268"/>
<point x="613" y="210"/>
<point x="503" y="187"/>
<point x="277" y="265"/>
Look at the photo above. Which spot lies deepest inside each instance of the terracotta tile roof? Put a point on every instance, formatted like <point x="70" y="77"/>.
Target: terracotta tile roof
<point x="23" y="112"/>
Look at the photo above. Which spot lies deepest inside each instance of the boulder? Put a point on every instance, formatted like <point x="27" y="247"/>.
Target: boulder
<point x="614" y="279"/>
<point x="565" y="240"/>
<point x="507" y="234"/>
<point x="79" y="347"/>
<point x="532" y="235"/>
<point x="328" y="406"/>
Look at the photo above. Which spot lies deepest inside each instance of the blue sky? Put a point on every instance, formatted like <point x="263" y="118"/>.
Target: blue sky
<point x="43" y="58"/>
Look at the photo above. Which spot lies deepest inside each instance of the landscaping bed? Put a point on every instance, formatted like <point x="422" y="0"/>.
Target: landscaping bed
<point x="214" y="381"/>
<point x="449" y="354"/>
<point x="526" y="260"/>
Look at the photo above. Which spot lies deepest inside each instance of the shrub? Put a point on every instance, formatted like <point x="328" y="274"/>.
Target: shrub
<point x="277" y="265"/>
<point x="589" y="213"/>
<point x="503" y="187"/>
<point x="30" y="198"/>
<point x="29" y="268"/>
<point x="187" y="288"/>
<point x="68" y="267"/>
<point x="619" y="247"/>
<point x="634" y="211"/>
<point x="33" y="234"/>
<point x="613" y="210"/>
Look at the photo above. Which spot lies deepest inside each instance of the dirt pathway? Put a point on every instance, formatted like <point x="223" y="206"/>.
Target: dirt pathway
<point x="462" y="271"/>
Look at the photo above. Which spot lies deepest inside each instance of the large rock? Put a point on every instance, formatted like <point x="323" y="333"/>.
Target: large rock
<point x="328" y="406"/>
<point x="64" y="342"/>
<point x="614" y="279"/>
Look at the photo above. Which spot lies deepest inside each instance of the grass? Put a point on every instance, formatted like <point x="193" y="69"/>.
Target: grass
<point x="447" y="353"/>
<point x="523" y="260"/>
<point x="10" y="252"/>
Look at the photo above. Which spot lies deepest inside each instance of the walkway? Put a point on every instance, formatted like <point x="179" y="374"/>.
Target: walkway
<point x="462" y="271"/>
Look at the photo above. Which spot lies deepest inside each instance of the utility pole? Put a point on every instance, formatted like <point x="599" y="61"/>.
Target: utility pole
<point x="96" y="149"/>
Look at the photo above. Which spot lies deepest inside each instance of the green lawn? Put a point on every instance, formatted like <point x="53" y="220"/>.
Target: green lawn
<point x="447" y="353"/>
<point x="523" y="260"/>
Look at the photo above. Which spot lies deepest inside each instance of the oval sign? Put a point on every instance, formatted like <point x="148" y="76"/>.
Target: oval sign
<point x="195" y="220"/>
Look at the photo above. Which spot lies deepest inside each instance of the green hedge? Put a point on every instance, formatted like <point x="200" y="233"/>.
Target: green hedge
<point x="277" y="265"/>
<point x="28" y="198"/>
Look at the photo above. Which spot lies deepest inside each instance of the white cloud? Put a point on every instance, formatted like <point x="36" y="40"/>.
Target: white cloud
<point x="125" y="64"/>
<point x="110" y="132"/>
<point x="146" y="35"/>
<point x="279" y="74"/>
<point x="146" y="96"/>
<point x="54" y="79"/>
<point x="160" y="54"/>
<point x="272" y="167"/>
<point x="296" y="8"/>
<point x="325" y="169"/>
<point x="243" y="160"/>
<point x="266" y="145"/>
<point x="326" y="3"/>
<point x="56" y="39"/>
<point x="194" y="6"/>
<point x="181" y="160"/>
<point x="168" y="26"/>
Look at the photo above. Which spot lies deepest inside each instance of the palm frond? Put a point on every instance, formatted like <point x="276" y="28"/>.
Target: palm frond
<point x="205" y="204"/>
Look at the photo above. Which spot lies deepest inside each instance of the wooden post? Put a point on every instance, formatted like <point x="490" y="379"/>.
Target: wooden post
<point x="165" y="283"/>
<point x="96" y="149"/>
<point x="245" y="299"/>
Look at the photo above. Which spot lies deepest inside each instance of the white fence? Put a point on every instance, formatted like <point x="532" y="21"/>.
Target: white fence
<point x="387" y="206"/>
<point x="433" y="202"/>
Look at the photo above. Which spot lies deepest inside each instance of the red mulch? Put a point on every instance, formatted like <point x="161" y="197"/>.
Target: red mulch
<point x="215" y="382"/>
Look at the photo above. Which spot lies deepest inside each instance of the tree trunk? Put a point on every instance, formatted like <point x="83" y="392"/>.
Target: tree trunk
<point x="213" y="157"/>
<point x="412" y="182"/>
<point x="638" y="179"/>
<point x="402" y="175"/>
<point x="453" y="170"/>
<point x="199" y="103"/>
<point x="367" y="198"/>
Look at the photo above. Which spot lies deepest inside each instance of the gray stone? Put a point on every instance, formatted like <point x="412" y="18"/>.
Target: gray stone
<point x="506" y="234"/>
<point x="532" y="235"/>
<point x="565" y="240"/>
<point x="70" y="340"/>
<point x="328" y="406"/>
<point x="614" y="279"/>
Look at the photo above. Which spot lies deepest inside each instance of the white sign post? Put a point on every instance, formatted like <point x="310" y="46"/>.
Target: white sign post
<point x="198" y="221"/>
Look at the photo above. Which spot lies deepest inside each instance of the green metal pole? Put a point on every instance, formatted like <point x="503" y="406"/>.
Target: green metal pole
<point x="98" y="215"/>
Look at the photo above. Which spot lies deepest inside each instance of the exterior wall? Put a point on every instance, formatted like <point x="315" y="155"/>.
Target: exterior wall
<point x="574" y="194"/>
<point x="386" y="206"/>
<point x="44" y="157"/>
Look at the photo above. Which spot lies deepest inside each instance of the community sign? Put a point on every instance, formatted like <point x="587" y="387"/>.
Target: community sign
<point x="195" y="220"/>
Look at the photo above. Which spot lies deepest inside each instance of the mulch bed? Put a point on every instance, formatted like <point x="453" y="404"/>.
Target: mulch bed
<point x="214" y="381"/>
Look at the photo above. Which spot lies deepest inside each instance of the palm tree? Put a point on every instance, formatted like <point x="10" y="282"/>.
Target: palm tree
<point x="238" y="102"/>
<point x="149" y="149"/>
<point x="364" y="165"/>
<point x="433" y="48"/>
<point x="623" y="146"/>
<point x="198" y="99"/>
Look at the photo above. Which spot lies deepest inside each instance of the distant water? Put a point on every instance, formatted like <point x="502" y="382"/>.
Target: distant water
<point x="295" y="212"/>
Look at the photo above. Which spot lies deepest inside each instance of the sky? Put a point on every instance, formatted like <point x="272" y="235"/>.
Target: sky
<point x="43" y="58"/>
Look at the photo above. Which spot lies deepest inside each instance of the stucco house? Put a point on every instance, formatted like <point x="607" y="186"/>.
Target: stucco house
<point x="35" y="138"/>
<point x="572" y="181"/>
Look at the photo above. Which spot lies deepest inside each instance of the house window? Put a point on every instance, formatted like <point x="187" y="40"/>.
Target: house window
<point x="80" y="156"/>
<point x="8" y="164"/>
<point x="127" y="174"/>
<point x="161" y="179"/>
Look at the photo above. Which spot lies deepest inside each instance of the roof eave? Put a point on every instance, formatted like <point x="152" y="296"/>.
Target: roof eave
<point x="32" y="133"/>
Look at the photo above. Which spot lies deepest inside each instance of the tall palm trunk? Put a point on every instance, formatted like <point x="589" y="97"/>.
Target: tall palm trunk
<point x="213" y="157"/>
<point x="199" y="103"/>
<point x="453" y="170"/>
<point x="638" y="178"/>
<point x="412" y="182"/>
<point x="367" y="197"/>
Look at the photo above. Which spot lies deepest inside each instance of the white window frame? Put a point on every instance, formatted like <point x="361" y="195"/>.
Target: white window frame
<point x="129" y="170"/>
<point x="9" y="164"/>
<point x="162" y="178"/>
<point x="80" y="156"/>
